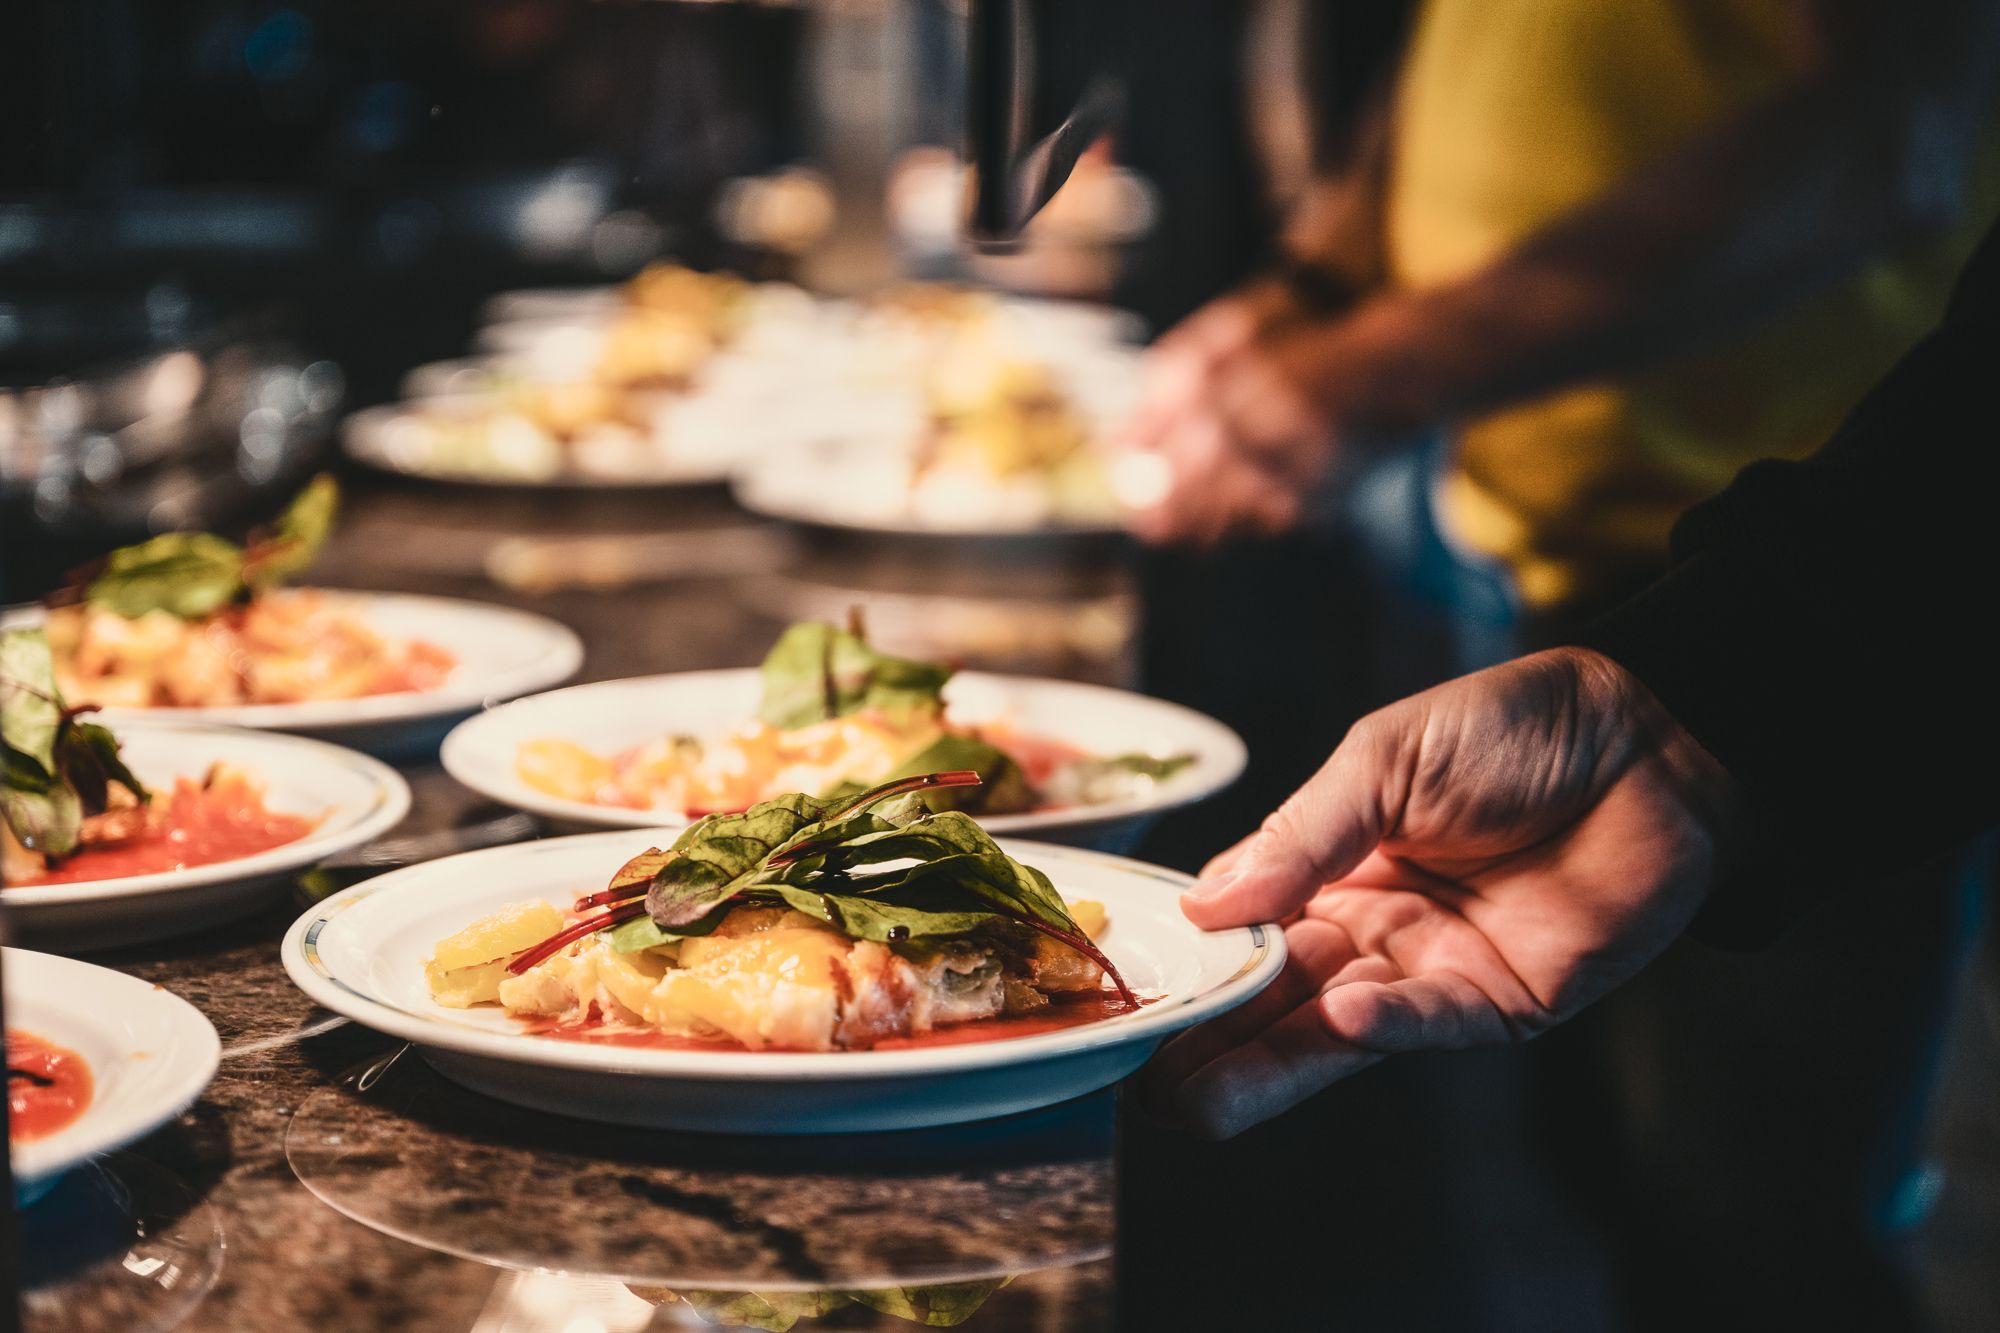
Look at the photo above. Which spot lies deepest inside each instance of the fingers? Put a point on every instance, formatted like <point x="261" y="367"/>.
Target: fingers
<point x="1241" y="442"/>
<point x="1184" y="365"/>
<point x="1289" y="1062"/>
<point x="1316" y="952"/>
<point x="1326" y="829"/>
<point x="1235" y="498"/>
<point x="1435" y="1011"/>
<point x="1193" y="449"/>
<point x="1245" y="1068"/>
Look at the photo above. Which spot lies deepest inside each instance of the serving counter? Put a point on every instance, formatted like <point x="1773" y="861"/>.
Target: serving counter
<point x="328" y="1179"/>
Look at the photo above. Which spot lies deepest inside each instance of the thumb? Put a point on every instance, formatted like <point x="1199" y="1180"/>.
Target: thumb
<point x="1322" y="832"/>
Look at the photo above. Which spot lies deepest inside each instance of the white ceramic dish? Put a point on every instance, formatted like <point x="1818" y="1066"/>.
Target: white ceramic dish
<point x="150" y="1055"/>
<point x="382" y="438"/>
<point x="615" y="715"/>
<point x="502" y="653"/>
<point x="358" y="799"/>
<point x="360" y="953"/>
<point x="856" y="482"/>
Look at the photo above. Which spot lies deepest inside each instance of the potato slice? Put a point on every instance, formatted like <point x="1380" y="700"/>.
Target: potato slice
<point x="513" y="928"/>
<point x="1089" y="916"/>
<point x="464" y="987"/>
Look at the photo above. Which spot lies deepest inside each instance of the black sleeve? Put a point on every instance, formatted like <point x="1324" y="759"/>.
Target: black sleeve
<point x="1825" y="630"/>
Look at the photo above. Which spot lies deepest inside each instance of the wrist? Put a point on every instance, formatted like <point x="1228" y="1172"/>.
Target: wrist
<point x="1621" y="705"/>
<point x="1378" y="380"/>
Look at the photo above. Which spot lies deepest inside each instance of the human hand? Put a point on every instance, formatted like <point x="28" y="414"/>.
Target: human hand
<point x="1472" y="866"/>
<point x="1241" y="407"/>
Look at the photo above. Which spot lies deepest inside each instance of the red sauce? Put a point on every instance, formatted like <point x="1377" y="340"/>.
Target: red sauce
<point x="198" y="826"/>
<point x="1061" y="1012"/>
<point x="425" y="667"/>
<point x="1038" y="756"/>
<point x="48" y="1086"/>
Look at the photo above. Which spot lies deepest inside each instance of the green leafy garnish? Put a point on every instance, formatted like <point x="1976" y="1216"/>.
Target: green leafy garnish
<point x="193" y="574"/>
<point x="1003" y="788"/>
<point x="880" y="866"/>
<point x="816" y="672"/>
<point x="1157" y="767"/>
<point x="31" y="707"/>
<point x="55" y="770"/>
<point x="295" y="539"/>
<point x="1099" y="780"/>
<point x="188" y="574"/>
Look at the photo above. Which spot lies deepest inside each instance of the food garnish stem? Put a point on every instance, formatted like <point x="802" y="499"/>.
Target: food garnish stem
<point x="590" y="925"/>
<point x="829" y="687"/>
<point x="607" y="897"/>
<point x="1083" y="945"/>
<point x="957" y="777"/>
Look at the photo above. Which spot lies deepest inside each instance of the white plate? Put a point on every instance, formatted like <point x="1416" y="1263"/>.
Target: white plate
<point x="359" y="798"/>
<point x="376" y="436"/>
<point x="361" y="952"/>
<point x="617" y="714"/>
<point x="860" y="483"/>
<point x="150" y="1055"/>
<point x="501" y="653"/>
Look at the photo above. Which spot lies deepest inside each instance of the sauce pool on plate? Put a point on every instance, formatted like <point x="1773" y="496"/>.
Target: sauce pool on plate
<point x="48" y="1086"/>
<point x="201" y="826"/>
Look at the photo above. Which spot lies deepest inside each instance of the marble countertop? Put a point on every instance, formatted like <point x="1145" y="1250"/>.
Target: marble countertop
<point x="327" y="1180"/>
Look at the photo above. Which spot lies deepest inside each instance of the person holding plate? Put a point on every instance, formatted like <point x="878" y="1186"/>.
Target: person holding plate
<point x="1590" y="260"/>
<point x="1801" y="706"/>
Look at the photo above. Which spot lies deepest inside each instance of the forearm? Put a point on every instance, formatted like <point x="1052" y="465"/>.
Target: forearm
<point x="1747" y="218"/>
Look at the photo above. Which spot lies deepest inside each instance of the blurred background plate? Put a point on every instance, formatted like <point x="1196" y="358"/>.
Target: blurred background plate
<point x="863" y="485"/>
<point x="395" y="439"/>
<point x="501" y="654"/>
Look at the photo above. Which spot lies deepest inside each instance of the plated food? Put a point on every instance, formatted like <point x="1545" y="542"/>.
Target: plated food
<point x="190" y="620"/>
<point x="95" y="1060"/>
<point x="800" y="924"/>
<point x="71" y="811"/>
<point x="1006" y="441"/>
<point x="159" y="829"/>
<point x="582" y="400"/>
<point x="837" y="716"/>
<point x="376" y="951"/>
<point x="521" y="433"/>
<point x="829" y="714"/>
<point x="968" y="410"/>
<point x="194" y="626"/>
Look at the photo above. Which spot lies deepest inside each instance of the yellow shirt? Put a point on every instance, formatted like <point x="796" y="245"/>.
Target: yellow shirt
<point x="1511" y="113"/>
